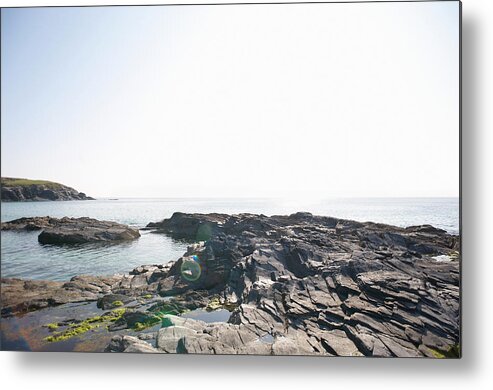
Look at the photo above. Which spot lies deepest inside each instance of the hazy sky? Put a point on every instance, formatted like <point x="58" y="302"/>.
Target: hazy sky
<point x="326" y="100"/>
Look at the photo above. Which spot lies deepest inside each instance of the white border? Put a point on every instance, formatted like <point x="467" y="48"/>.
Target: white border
<point x="473" y="371"/>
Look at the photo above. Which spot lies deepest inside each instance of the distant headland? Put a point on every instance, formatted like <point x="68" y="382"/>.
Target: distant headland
<point x="21" y="190"/>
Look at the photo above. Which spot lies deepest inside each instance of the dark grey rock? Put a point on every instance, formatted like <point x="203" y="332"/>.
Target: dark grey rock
<point x="110" y="301"/>
<point x="191" y="226"/>
<point x="83" y="230"/>
<point x="73" y="230"/>
<point x="298" y="284"/>
<point x="350" y="288"/>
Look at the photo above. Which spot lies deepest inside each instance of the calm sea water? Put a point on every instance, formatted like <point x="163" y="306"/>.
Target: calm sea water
<point x="22" y="255"/>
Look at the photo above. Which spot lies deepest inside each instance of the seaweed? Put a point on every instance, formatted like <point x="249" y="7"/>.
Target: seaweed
<point x="80" y="327"/>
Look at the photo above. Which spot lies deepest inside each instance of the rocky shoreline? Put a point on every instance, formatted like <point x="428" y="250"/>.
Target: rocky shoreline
<point x="294" y="285"/>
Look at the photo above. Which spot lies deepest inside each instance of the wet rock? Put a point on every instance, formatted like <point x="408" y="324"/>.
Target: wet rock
<point x="83" y="230"/>
<point x="111" y="301"/>
<point x="298" y="284"/>
<point x="191" y="226"/>
<point x="20" y="296"/>
<point x="134" y="319"/>
<point x="73" y="230"/>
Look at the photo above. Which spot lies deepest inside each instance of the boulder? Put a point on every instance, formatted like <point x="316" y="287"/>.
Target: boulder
<point x="73" y="230"/>
<point x="83" y="230"/>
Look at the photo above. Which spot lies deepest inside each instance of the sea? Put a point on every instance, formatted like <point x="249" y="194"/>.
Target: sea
<point x="23" y="257"/>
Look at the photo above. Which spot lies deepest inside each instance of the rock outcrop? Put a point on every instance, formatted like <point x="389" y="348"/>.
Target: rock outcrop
<point x="327" y="286"/>
<point x="21" y="296"/>
<point x="73" y="230"/>
<point x="188" y="226"/>
<point x="20" y="190"/>
<point x="29" y="223"/>
<point x="298" y="284"/>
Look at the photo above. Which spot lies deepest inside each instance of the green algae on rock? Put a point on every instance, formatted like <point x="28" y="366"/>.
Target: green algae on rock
<point x="452" y="352"/>
<point x="217" y="303"/>
<point x="151" y="321"/>
<point x="78" y="328"/>
<point x="52" y="326"/>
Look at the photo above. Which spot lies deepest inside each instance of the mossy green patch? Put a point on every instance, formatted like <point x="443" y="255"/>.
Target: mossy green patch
<point x="437" y="354"/>
<point x="117" y="303"/>
<point x="151" y="321"/>
<point x="52" y="326"/>
<point x="158" y="313"/>
<point x="454" y="255"/>
<point x="117" y="313"/>
<point x="166" y="322"/>
<point x="215" y="304"/>
<point x="147" y="296"/>
<point x="83" y="327"/>
<point x="78" y="328"/>
<point x="452" y="352"/>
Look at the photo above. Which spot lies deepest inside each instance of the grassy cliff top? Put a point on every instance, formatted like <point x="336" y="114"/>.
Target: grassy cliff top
<point x="16" y="182"/>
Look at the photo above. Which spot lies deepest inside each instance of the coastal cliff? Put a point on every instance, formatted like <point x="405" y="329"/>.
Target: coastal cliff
<point x="20" y="190"/>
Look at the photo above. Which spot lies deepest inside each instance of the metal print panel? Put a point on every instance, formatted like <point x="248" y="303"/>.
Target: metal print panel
<point x="263" y="179"/>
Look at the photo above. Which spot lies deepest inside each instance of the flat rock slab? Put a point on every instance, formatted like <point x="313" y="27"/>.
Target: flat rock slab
<point x="20" y="296"/>
<point x="73" y="230"/>
<point x="30" y="223"/>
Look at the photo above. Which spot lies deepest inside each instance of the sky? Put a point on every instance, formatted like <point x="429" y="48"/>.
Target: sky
<point x="301" y="100"/>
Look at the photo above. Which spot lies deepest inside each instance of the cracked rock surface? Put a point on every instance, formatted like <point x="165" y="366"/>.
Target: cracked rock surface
<point x="320" y="285"/>
<point x="295" y="285"/>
